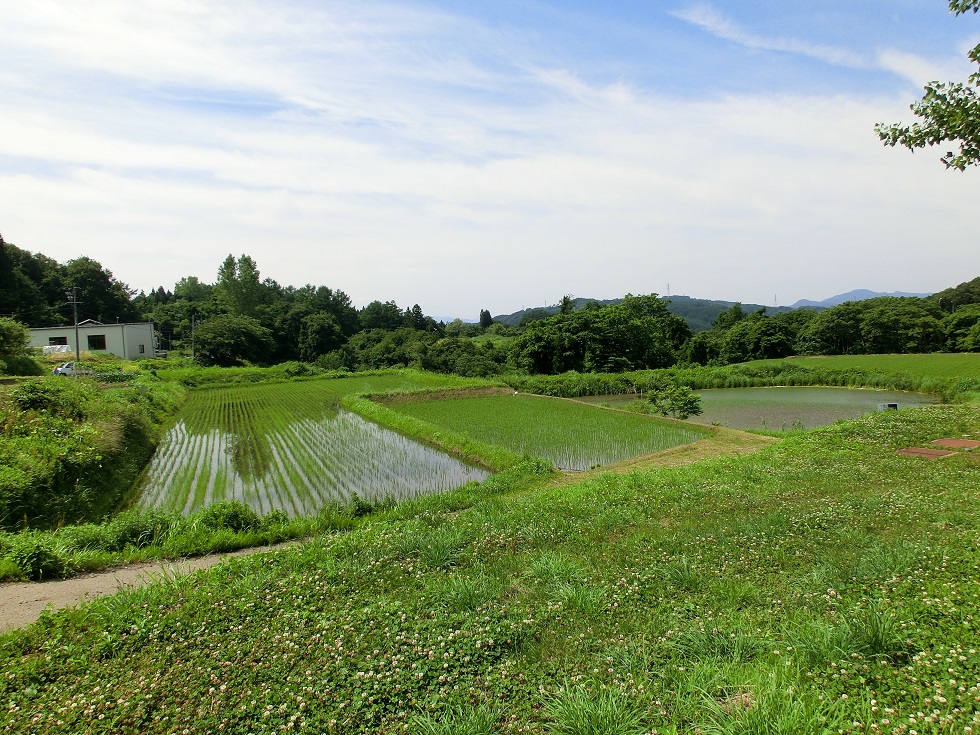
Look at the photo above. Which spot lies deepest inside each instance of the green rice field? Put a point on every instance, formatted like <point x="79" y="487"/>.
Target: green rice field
<point x="288" y="447"/>
<point x="786" y="408"/>
<point x="937" y="365"/>
<point x="570" y="435"/>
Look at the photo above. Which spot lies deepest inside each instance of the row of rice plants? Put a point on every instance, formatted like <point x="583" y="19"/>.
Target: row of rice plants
<point x="285" y="446"/>
<point x="571" y="435"/>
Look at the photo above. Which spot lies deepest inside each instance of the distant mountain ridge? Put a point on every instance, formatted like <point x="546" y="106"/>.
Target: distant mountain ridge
<point x="860" y="294"/>
<point x="698" y="313"/>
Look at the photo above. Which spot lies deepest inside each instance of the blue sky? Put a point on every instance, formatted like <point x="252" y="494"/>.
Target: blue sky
<point x="473" y="155"/>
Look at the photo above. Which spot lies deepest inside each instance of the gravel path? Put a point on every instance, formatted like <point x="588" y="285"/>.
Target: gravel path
<point x="21" y="603"/>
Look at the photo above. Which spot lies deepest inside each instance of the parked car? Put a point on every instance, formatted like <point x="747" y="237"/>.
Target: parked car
<point x="68" y="368"/>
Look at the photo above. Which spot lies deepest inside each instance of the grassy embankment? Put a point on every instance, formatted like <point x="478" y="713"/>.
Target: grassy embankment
<point x="822" y="584"/>
<point x="69" y="449"/>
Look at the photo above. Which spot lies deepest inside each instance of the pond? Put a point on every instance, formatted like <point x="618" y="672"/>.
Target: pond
<point x="787" y="408"/>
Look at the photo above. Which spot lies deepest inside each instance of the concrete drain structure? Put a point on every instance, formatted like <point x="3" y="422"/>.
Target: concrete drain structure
<point x="947" y="444"/>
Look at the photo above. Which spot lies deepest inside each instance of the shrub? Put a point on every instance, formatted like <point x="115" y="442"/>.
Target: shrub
<point x="274" y="520"/>
<point x="61" y="398"/>
<point x="38" y="555"/>
<point x="138" y="528"/>
<point x="232" y="515"/>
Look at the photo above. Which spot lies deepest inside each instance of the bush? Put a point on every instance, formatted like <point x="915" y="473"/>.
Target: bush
<point x="274" y="520"/>
<point x="233" y="516"/>
<point x="38" y="555"/>
<point x="57" y="397"/>
<point x="138" y="528"/>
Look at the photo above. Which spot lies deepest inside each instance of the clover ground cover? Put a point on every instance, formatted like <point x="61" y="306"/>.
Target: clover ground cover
<point x="288" y="447"/>
<point x="570" y="435"/>
<point x="822" y="585"/>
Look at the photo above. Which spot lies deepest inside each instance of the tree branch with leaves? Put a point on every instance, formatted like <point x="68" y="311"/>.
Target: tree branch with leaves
<point x="950" y="112"/>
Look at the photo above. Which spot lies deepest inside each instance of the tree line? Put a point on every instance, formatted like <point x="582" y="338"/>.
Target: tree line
<point x="244" y="318"/>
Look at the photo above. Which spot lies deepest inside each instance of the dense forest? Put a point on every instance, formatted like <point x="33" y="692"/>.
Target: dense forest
<point x="243" y="318"/>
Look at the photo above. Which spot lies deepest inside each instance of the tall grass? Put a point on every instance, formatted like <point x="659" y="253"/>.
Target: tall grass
<point x="71" y="449"/>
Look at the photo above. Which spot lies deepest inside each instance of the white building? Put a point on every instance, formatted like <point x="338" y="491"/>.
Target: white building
<point x="131" y="341"/>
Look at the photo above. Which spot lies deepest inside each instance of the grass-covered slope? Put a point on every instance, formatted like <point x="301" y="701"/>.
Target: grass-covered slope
<point x="823" y="584"/>
<point x="71" y="449"/>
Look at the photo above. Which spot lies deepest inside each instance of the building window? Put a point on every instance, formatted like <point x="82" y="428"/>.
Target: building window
<point x="142" y="349"/>
<point x="96" y="342"/>
<point x="53" y="341"/>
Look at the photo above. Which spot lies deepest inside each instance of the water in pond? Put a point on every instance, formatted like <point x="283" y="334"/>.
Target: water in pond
<point x="787" y="408"/>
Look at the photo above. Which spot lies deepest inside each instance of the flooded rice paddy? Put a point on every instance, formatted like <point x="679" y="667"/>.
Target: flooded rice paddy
<point x="282" y="447"/>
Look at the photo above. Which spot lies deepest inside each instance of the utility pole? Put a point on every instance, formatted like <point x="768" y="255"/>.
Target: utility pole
<point x="73" y="300"/>
<point x="193" y="356"/>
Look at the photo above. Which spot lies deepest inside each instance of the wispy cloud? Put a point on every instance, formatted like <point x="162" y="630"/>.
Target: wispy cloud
<point x="718" y="24"/>
<point x="912" y="67"/>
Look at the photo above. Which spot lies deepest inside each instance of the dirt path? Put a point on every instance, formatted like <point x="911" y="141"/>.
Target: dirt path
<point x="21" y="603"/>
